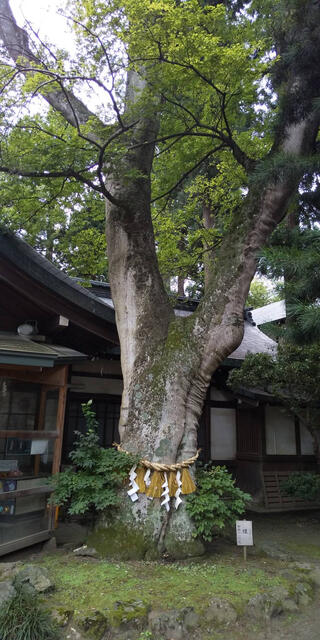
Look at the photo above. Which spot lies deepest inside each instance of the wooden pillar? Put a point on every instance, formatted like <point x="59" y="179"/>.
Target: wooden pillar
<point x="60" y="422"/>
<point x="53" y="513"/>
<point x="40" y="425"/>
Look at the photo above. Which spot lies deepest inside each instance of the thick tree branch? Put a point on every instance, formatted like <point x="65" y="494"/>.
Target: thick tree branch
<point x="263" y="210"/>
<point x="65" y="173"/>
<point x="16" y="43"/>
<point x="179" y="135"/>
<point x="110" y="67"/>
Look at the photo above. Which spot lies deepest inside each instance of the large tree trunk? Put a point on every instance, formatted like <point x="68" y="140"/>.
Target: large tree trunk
<point x="168" y="361"/>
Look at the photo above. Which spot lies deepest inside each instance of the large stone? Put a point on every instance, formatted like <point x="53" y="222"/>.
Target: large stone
<point x="131" y="614"/>
<point x="274" y="551"/>
<point x="72" y="632"/>
<point x="178" y="550"/>
<point x="120" y="542"/>
<point x="314" y="576"/>
<point x="70" y="533"/>
<point x="7" y="591"/>
<point x="173" y="624"/>
<point x="281" y="600"/>
<point x="35" y="579"/>
<point x="301" y="566"/>
<point x="303" y="593"/>
<point x="95" y="625"/>
<point x="179" y="539"/>
<point x="268" y="605"/>
<point x="264" y="606"/>
<point x="289" y="605"/>
<point x="191" y="619"/>
<point x="50" y="546"/>
<point x="220" y="612"/>
<point x="62" y="616"/>
<point x="9" y="569"/>
<point x="86" y="551"/>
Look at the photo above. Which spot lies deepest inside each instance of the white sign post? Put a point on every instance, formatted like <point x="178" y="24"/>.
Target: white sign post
<point x="244" y="535"/>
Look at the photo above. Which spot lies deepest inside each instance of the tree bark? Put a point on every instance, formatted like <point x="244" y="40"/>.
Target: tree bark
<point x="208" y="255"/>
<point x="181" y="281"/>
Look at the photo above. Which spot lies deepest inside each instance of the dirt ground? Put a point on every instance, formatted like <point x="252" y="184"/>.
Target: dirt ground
<point x="291" y="537"/>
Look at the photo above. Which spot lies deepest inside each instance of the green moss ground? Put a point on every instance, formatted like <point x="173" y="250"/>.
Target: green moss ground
<point x="309" y="551"/>
<point x="85" y="584"/>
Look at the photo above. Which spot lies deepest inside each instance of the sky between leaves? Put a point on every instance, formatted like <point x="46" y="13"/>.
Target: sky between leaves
<point x="43" y="14"/>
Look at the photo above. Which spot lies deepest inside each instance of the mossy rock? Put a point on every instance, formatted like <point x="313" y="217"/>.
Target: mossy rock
<point x="132" y="613"/>
<point x="62" y="616"/>
<point x="303" y="593"/>
<point x="95" y="625"/>
<point x="180" y="549"/>
<point x="122" y="543"/>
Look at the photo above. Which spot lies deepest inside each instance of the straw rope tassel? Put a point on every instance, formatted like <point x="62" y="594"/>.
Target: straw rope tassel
<point x="187" y="484"/>
<point x="140" y="479"/>
<point x="154" y="489"/>
<point x="167" y="480"/>
<point x="172" y="483"/>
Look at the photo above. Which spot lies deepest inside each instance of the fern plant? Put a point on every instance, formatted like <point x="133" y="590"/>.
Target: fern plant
<point x="92" y="483"/>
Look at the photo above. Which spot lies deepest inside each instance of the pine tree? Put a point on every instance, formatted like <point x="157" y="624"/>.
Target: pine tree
<point x="293" y="255"/>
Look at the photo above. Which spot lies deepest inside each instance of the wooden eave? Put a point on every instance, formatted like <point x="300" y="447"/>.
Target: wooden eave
<point x="33" y="278"/>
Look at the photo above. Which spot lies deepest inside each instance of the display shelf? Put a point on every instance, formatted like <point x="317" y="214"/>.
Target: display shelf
<point x="28" y="435"/>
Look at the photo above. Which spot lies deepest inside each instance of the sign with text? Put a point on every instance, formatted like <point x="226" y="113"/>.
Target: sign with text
<point x="244" y="533"/>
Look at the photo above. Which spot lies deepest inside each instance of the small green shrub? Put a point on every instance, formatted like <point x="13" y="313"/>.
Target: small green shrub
<point x="303" y="485"/>
<point x="216" y="502"/>
<point x="92" y="484"/>
<point x="23" y="618"/>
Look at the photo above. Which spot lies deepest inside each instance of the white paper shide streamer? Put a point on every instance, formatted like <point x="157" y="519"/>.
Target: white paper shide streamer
<point x="178" y="492"/>
<point x="147" y="477"/>
<point x="132" y="493"/>
<point x="165" y="494"/>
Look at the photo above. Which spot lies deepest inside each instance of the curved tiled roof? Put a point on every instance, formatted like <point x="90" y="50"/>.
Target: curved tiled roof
<point x="270" y="312"/>
<point x="38" y="268"/>
<point x="253" y="341"/>
<point x="42" y="270"/>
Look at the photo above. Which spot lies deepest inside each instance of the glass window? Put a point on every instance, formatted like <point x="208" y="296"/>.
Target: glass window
<point x="19" y="403"/>
<point x="280" y="432"/>
<point x="50" y="420"/>
<point x="223" y="433"/>
<point x="25" y="462"/>
<point x="20" y="410"/>
<point x="107" y="411"/>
